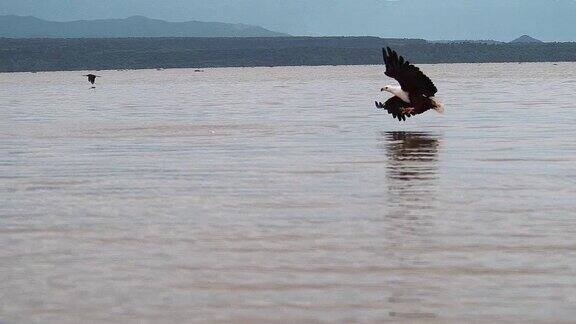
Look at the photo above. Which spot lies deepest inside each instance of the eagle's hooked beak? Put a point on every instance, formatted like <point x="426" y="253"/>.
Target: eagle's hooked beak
<point x="382" y="89"/>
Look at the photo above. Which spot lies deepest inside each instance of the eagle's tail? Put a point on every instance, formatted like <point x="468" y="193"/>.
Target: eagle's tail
<point x="438" y="105"/>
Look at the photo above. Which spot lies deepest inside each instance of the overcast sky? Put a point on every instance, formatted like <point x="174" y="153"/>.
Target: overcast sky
<point x="430" y="19"/>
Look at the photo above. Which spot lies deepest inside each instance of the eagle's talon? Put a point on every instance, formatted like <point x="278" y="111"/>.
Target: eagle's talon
<point x="407" y="111"/>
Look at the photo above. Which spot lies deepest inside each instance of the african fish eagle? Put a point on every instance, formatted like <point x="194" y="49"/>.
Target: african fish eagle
<point x="415" y="95"/>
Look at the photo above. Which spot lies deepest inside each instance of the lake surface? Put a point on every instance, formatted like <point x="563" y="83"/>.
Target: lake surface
<point x="282" y="195"/>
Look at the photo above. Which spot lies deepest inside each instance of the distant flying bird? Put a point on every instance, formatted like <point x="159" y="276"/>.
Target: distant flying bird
<point x="416" y="92"/>
<point x="92" y="78"/>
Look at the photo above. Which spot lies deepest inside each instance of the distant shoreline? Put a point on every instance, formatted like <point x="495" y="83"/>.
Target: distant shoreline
<point x="39" y="55"/>
<point x="270" y="67"/>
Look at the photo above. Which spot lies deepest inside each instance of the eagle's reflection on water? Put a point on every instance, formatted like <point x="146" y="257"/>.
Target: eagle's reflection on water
<point x="410" y="193"/>
<point x="413" y="163"/>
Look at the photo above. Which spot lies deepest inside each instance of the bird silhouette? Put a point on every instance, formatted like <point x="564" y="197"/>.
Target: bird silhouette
<point x="92" y="78"/>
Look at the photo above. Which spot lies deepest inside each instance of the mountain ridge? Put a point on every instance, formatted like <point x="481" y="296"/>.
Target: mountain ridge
<point x="547" y="20"/>
<point x="13" y="26"/>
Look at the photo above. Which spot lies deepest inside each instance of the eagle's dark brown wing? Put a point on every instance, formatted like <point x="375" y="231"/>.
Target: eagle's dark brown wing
<point x="394" y="107"/>
<point x="421" y="104"/>
<point x="411" y="79"/>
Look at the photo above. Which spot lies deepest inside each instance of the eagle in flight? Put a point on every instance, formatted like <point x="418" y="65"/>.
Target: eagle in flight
<point x="416" y="92"/>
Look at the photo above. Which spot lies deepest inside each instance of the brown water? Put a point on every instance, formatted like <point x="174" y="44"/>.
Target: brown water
<point x="281" y="194"/>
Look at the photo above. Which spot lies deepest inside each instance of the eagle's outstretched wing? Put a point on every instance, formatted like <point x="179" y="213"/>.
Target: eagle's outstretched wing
<point x="411" y="79"/>
<point x="394" y="107"/>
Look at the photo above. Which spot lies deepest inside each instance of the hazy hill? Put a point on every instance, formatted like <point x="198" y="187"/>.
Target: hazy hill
<point x="137" y="26"/>
<point x="526" y="39"/>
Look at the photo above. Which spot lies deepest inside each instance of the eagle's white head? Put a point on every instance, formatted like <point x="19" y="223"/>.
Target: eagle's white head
<point x="392" y="89"/>
<point x="397" y="91"/>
